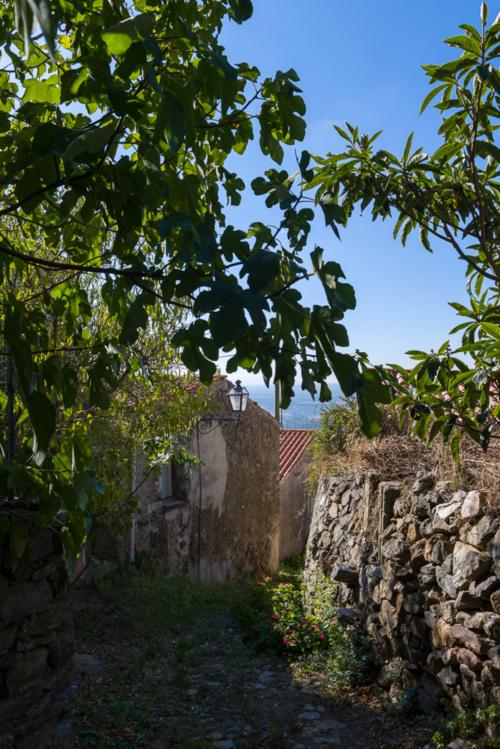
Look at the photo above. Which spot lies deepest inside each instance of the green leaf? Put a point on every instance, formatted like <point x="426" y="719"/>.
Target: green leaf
<point x="467" y="43"/>
<point x="118" y="38"/>
<point x="43" y="419"/>
<point x="92" y="141"/>
<point x="241" y="10"/>
<point x="45" y="91"/>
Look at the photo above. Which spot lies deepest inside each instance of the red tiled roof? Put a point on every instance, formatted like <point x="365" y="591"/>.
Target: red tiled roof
<point x="293" y="443"/>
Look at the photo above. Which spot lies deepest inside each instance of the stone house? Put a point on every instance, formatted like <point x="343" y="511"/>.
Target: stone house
<point x="295" y="502"/>
<point x="218" y="520"/>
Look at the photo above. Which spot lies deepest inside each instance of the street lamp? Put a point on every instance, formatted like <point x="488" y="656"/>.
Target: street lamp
<point x="238" y="397"/>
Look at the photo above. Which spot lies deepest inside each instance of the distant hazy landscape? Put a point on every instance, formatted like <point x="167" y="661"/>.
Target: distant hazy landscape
<point x="303" y="412"/>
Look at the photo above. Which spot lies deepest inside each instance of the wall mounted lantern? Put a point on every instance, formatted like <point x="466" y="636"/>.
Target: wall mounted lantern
<point x="238" y="398"/>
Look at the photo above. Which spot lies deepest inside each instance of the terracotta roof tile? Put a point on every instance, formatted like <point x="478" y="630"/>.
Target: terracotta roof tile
<point x="293" y="443"/>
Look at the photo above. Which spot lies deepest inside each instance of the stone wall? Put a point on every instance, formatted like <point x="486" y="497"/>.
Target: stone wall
<point x="36" y="648"/>
<point x="420" y="564"/>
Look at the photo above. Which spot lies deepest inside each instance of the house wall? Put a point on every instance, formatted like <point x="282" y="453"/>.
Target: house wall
<point x="229" y="529"/>
<point x="295" y="510"/>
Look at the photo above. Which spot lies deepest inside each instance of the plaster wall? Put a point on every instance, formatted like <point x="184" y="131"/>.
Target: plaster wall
<point x="295" y="510"/>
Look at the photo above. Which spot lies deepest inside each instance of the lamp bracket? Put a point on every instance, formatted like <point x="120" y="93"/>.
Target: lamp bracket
<point x="208" y="423"/>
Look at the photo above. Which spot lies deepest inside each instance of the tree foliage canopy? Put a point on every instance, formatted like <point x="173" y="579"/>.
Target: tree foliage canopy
<point x="451" y="195"/>
<point x="117" y="120"/>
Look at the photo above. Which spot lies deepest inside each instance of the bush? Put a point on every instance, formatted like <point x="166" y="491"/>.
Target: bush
<point x="283" y="616"/>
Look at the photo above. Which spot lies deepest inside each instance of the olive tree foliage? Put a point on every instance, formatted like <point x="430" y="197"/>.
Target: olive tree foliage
<point x="451" y="195"/>
<point x="117" y="119"/>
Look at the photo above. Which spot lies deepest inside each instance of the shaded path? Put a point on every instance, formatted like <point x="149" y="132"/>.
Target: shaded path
<point x="175" y="681"/>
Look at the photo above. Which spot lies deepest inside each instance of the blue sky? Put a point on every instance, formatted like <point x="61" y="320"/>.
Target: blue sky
<point x="360" y="61"/>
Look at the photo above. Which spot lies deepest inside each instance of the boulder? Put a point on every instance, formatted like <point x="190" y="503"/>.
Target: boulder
<point x="468" y="565"/>
<point x="495" y="601"/>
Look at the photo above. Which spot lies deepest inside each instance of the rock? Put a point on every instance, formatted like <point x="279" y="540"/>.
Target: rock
<point x="344" y="573"/>
<point x="412" y="603"/>
<point x="470" y="659"/>
<point x="447" y="677"/>
<point x="442" y="637"/>
<point x="86" y="664"/>
<point x="472" y="504"/>
<point x="439" y="525"/>
<point x="447" y="509"/>
<point x="459" y="744"/>
<point x="466" y="601"/>
<point x="491" y="626"/>
<point x="485" y="588"/>
<point x="426" y="528"/>
<point x="24" y="600"/>
<point x="445" y="610"/>
<point x="494" y="657"/>
<point x="397" y="550"/>
<point x="412" y="533"/>
<point x="224" y="744"/>
<point x="347" y="616"/>
<point x="417" y="553"/>
<point x="62" y="648"/>
<point x="7" y="636"/>
<point x="427" y="575"/>
<point x="468" y="565"/>
<point x="422" y="508"/>
<point x="429" y="694"/>
<point x="402" y="507"/>
<point x="479" y="534"/>
<point x="423" y="482"/>
<point x="469" y="639"/>
<point x="309" y="715"/>
<point x="495" y="601"/>
<point x="493" y="549"/>
<point x="437" y="548"/>
<point x="388" y="615"/>
<point x="25" y="670"/>
<point x="446" y="583"/>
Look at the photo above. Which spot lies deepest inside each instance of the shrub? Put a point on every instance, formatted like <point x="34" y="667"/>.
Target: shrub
<point x="284" y="616"/>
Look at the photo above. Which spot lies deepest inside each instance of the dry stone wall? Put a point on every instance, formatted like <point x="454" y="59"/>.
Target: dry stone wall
<point x="36" y="648"/>
<point x="420" y="564"/>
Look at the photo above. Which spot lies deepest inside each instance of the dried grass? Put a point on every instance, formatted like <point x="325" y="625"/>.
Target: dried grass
<point x="401" y="456"/>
